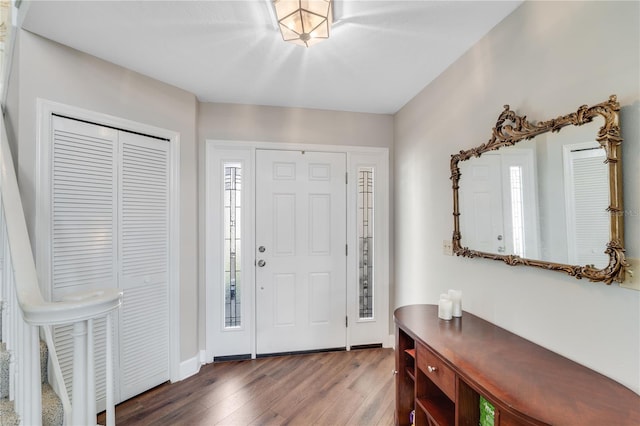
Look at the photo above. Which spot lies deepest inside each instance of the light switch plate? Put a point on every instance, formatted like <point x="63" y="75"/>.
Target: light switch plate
<point x="632" y="277"/>
<point x="447" y="247"/>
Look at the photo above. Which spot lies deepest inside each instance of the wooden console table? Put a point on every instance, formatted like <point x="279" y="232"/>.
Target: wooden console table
<point x="443" y="367"/>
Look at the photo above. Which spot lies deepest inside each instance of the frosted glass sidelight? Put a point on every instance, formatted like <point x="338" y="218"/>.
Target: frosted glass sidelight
<point x="232" y="244"/>
<point x="365" y="242"/>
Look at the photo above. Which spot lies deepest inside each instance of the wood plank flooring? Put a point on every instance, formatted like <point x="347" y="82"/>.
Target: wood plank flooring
<point x="335" y="388"/>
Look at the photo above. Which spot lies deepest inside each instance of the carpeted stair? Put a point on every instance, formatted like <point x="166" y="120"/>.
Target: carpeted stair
<point x="52" y="413"/>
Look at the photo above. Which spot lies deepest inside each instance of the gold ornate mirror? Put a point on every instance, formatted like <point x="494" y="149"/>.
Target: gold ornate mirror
<point x="547" y="195"/>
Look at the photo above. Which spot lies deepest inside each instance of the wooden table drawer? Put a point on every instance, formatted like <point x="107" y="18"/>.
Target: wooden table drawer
<point x="437" y="371"/>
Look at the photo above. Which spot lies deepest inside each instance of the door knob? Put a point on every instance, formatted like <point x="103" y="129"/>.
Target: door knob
<point x="261" y="263"/>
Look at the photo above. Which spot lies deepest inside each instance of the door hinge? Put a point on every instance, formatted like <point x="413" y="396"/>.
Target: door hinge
<point x="346" y="178"/>
<point x="346" y="321"/>
<point x="346" y="249"/>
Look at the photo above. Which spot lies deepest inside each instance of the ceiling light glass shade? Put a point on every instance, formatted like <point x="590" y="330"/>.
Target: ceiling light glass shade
<point x="304" y="22"/>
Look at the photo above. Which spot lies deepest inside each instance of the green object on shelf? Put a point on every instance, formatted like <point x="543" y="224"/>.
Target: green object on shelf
<point x="487" y="413"/>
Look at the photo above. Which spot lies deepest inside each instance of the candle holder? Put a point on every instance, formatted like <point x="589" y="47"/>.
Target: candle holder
<point x="445" y="307"/>
<point x="456" y="299"/>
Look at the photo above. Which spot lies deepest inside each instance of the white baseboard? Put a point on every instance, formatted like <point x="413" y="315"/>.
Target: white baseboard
<point x="190" y="367"/>
<point x="391" y="343"/>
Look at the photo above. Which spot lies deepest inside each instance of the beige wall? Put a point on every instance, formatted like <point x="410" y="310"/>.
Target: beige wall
<point x="57" y="73"/>
<point x="293" y="125"/>
<point x="546" y="59"/>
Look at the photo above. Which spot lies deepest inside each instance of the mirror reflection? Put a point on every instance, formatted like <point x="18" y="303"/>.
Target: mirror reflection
<point x="544" y="198"/>
<point x="546" y="194"/>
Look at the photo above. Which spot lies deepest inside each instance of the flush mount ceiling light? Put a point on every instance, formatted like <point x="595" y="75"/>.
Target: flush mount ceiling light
<point x="304" y="22"/>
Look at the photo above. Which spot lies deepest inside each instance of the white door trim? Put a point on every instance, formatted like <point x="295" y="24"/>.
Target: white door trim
<point x="213" y="263"/>
<point x="356" y="155"/>
<point x="376" y="329"/>
<point x="44" y="111"/>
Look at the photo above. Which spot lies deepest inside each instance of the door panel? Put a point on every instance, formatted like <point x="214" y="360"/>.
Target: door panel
<point x="482" y="195"/>
<point x="284" y="307"/>
<point x="319" y="223"/>
<point x="284" y="213"/>
<point x="320" y="298"/>
<point x="144" y="274"/>
<point x="83" y="229"/>
<point x="301" y="222"/>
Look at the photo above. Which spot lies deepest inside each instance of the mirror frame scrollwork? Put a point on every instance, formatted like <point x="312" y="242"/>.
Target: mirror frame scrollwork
<point x="510" y="129"/>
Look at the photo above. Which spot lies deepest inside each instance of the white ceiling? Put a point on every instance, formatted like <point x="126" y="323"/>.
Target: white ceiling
<point x="379" y="56"/>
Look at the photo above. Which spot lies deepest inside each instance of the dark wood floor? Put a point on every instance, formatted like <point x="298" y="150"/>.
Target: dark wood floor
<point x="336" y="388"/>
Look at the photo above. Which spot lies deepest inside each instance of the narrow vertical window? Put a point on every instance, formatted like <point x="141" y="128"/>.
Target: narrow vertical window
<point x="365" y="241"/>
<point x="232" y="244"/>
<point x="517" y="207"/>
<point x="6" y="28"/>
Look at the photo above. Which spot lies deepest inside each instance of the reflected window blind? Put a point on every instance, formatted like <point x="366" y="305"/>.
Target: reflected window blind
<point x="591" y="199"/>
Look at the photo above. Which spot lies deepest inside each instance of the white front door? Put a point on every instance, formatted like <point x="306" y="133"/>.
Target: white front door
<point x="482" y="225"/>
<point x="498" y="198"/>
<point x="300" y="251"/>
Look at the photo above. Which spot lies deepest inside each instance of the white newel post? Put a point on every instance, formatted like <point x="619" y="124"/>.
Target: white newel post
<point x="91" y="378"/>
<point x="79" y="405"/>
<point x="110" y="403"/>
<point x="34" y="409"/>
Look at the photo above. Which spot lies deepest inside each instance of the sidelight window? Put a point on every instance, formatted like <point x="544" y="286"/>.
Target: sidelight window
<point x="232" y="244"/>
<point x="517" y="209"/>
<point x="365" y="242"/>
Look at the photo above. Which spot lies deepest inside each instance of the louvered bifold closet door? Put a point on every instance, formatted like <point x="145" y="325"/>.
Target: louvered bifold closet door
<point x="83" y="224"/>
<point x="590" y="199"/>
<point x="144" y="274"/>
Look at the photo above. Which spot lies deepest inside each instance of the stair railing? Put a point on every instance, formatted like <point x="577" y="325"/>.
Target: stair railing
<point x="24" y="311"/>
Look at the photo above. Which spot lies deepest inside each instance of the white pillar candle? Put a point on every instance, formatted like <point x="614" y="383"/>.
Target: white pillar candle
<point x="445" y="308"/>
<point x="456" y="299"/>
